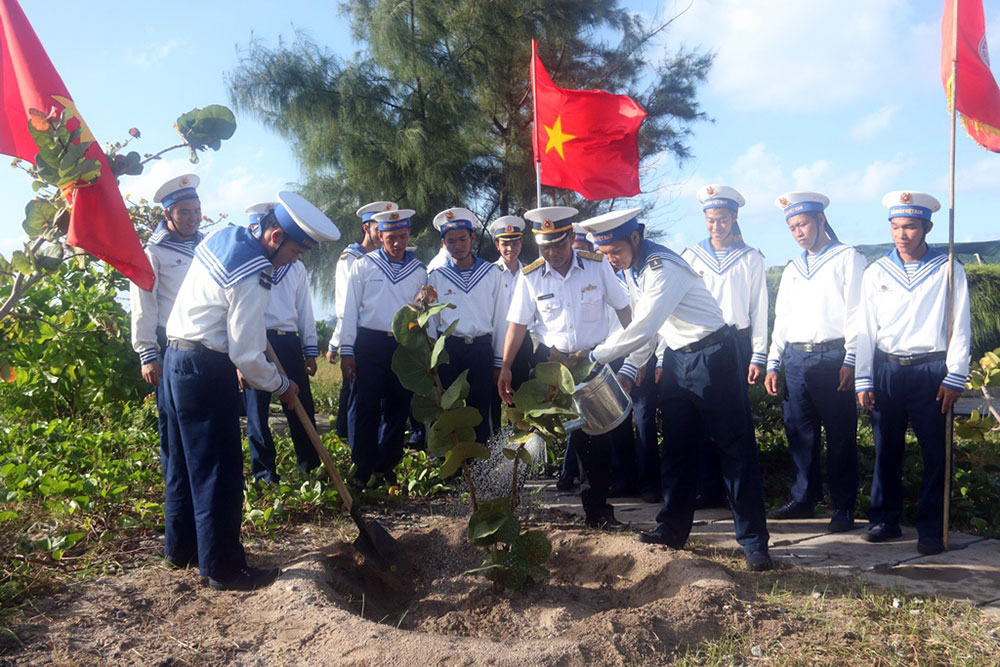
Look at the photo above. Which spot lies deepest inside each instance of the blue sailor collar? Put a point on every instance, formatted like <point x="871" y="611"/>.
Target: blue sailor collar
<point x="465" y="279"/>
<point x="651" y="255"/>
<point x="928" y="264"/>
<point x="232" y="255"/>
<point x="706" y="252"/>
<point x="162" y="236"/>
<point x="395" y="271"/>
<point x="809" y="268"/>
<point x="280" y="273"/>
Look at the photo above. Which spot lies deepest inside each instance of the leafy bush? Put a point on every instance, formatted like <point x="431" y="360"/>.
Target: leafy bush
<point x="984" y="298"/>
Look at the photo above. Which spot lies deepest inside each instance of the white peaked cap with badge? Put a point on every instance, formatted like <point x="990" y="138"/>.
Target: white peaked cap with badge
<point x="550" y="223"/>
<point x="454" y="218"/>
<point x="910" y="204"/>
<point x="506" y="227"/>
<point x="310" y="221"/>
<point x="257" y="211"/>
<point x="720" y="196"/>
<point x="613" y="225"/>
<point x="368" y="210"/>
<point x="177" y="189"/>
<point x="395" y="219"/>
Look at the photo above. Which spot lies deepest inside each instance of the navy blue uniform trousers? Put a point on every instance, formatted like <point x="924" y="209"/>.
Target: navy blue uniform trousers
<point x="288" y="348"/>
<point x="908" y="394"/>
<point x="379" y="406"/>
<point x="812" y="401"/>
<point x="161" y="406"/>
<point x="519" y="371"/>
<point x="477" y="357"/>
<point x="702" y="395"/>
<point x="204" y="481"/>
<point x="343" y="404"/>
<point x="636" y="455"/>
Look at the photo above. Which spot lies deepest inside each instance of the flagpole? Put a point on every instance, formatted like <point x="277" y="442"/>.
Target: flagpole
<point x="534" y="127"/>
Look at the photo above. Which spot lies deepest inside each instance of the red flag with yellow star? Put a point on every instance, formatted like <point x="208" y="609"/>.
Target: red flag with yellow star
<point x="99" y="222"/>
<point x="585" y="140"/>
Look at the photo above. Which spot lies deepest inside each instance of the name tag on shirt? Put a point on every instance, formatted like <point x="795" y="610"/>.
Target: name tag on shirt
<point x="543" y="297"/>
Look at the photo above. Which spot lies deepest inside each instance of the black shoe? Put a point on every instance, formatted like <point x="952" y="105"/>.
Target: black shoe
<point x="661" y="535"/>
<point x="841" y="522"/>
<point x="880" y="532"/>
<point x="759" y="561"/>
<point x="247" y="579"/>
<point x="652" y="497"/>
<point x="793" y="509"/>
<point x="565" y="483"/>
<point x="606" y="522"/>
<point x="929" y="546"/>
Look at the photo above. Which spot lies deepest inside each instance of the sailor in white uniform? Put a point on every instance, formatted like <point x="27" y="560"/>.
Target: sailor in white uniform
<point x="702" y="391"/>
<point x="909" y="370"/>
<point x="369" y="241"/>
<point x="476" y="288"/>
<point x="215" y="329"/>
<point x="564" y="294"/>
<point x="814" y="337"/>
<point x="170" y="250"/>
<point x="291" y="330"/>
<point x="381" y="282"/>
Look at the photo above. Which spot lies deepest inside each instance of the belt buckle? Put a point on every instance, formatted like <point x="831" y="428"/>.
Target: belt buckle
<point x="469" y="340"/>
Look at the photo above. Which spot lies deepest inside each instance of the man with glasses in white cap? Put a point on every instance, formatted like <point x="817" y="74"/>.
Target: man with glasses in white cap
<point x="814" y="338"/>
<point x="381" y="282"/>
<point x="702" y="394"/>
<point x="565" y="294"/>
<point x="912" y="365"/>
<point x="215" y="329"/>
<point x="291" y="330"/>
<point x="734" y="273"/>
<point x="369" y="242"/>
<point x="170" y="250"/>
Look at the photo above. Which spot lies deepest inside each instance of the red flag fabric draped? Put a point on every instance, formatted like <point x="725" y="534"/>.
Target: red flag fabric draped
<point x="99" y="221"/>
<point x="978" y="96"/>
<point x="585" y="140"/>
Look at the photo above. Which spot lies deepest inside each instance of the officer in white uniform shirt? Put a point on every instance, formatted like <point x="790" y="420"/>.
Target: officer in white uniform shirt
<point x="369" y="241"/>
<point x="291" y="330"/>
<point x="475" y="287"/>
<point x="814" y="337"/>
<point x="564" y="294"/>
<point x="734" y="273"/>
<point x="702" y="392"/>
<point x="381" y="282"/>
<point x="908" y="369"/>
<point x="215" y="329"/>
<point x="170" y="250"/>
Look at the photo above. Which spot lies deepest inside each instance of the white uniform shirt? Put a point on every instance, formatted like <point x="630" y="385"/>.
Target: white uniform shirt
<point x="347" y="258"/>
<point x="669" y="301"/>
<point x="170" y="259"/>
<point x="818" y="302"/>
<point x="440" y="259"/>
<point x="376" y="290"/>
<point x="509" y="279"/>
<point x="289" y="307"/>
<point x="479" y="300"/>
<point x="738" y="283"/>
<point x="228" y="319"/>
<point x="568" y="311"/>
<point x="906" y="315"/>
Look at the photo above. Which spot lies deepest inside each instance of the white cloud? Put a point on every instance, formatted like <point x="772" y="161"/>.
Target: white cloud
<point x="151" y="54"/>
<point x="871" y="125"/>
<point x="983" y="176"/>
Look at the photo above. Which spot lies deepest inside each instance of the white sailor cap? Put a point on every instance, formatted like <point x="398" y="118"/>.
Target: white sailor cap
<point x="389" y="221"/>
<point x="581" y="233"/>
<point x="301" y="221"/>
<point x="451" y="219"/>
<point x="507" y="227"/>
<point x="613" y="225"/>
<point x="910" y="204"/>
<point x="259" y="210"/>
<point x="793" y="203"/>
<point x="177" y="189"/>
<point x="550" y="223"/>
<point x="368" y="210"/>
<point x="720" y="196"/>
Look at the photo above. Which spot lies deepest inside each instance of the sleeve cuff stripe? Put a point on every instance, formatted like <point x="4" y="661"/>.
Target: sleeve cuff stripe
<point x="149" y="355"/>
<point x="311" y="351"/>
<point x="285" y="384"/>
<point x="347" y="350"/>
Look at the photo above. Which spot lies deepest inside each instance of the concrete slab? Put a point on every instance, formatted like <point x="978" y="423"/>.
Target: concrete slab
<point x="847" y="553"/>
<point x="992" y="610"/>
<point x="970" y="570"/>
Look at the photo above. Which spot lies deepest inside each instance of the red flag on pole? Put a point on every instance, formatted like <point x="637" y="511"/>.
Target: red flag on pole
<point x="99" y="222"/>
<point x="976" y="96"/>
<point x="585" y="140"/>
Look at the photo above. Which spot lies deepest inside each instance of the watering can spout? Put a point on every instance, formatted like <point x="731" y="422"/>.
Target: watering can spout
<point x="574" y="424"/>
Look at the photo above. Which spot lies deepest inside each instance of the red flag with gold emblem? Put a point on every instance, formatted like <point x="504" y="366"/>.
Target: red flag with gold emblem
<point x="99" y="222"/>
<point x="976" y="96"/>
<point x="585" y="140"/>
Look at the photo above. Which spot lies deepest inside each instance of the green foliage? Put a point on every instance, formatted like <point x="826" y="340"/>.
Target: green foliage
<point x="206" y="128"/>
<point x="515" y="559"/>
<point x="984" y="302"/>
<point x="983" y="375"/>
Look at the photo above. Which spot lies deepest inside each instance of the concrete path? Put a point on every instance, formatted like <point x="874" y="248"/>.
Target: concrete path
<point x="969" y="571"/>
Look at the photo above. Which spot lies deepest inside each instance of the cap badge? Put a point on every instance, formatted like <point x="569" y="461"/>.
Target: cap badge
<point x="394" y="216"/>
<point x="509" y="228"/>
<point x="905" y="198"/>
<point x="449" y="215"/>
<point x="710" y="191"/>
<point x="388" y="207"/>
<point x="185" y="180"/>
<point x="784" y="201"/>
<point x="547" y="224"/>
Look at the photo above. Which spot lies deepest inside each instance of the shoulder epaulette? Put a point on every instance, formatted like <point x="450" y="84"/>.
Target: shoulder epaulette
<point x="592" y="256"/>
<point x="537" y="264"/>
<point x="344" y="255"/>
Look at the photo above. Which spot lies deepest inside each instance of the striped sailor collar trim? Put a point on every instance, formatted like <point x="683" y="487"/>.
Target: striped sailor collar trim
<point x="231" y="255"/>
<point x="707" y="254"/>
<point x="892" y="264"/>
<point x="465" y="279"/>
<point x="649" y="251"/>
<point x="163" y="236"/>
<point x="819" y="259"/>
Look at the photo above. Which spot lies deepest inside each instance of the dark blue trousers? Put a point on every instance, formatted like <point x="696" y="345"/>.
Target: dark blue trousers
<point x="378" y="408"/>
<point x="343" y="405"/>
<point x="519" y="371"/>
<point x="907" y="394"/>
<point x="204" y="482"/>
<point x="288" y="349"/>
<point x="812" y="401"/>
<point x="477" y="357"/>
<point x="702" y="395"/>
<point x="161" y="407"/>
<point x="636" y="453"/>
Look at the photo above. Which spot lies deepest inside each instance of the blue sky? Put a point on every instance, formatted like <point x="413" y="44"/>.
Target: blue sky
<point x="842" y="98"/>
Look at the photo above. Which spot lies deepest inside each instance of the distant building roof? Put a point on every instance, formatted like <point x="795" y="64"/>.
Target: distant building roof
<point x="972" y="252"/>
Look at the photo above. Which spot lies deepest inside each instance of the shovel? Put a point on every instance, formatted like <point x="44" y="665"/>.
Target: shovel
<point x="374" y="541"/>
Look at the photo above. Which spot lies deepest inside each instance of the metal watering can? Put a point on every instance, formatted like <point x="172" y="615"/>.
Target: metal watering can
<point x="601" y="402"/>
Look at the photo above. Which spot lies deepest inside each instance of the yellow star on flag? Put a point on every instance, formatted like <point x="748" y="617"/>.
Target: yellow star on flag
<point x="557" y="137"/>
<point x="85" y="134"/>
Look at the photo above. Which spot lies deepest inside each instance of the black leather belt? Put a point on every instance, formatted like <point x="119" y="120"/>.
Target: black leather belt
<point x="913" y="359"/>
<point x="742" y="333"/>
<point x="716" y="336"/>
<point x="279" y="332"/>
<point x="825" y="346"/>
<point x="469" y="340"/>
<point x="187" y="345"/>
<point x="374" y="332"/>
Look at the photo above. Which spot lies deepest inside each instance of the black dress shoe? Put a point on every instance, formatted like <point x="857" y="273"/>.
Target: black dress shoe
<point x="661" y="535"/>
<point x="841" y="522"/>
<point x="606" y="522"/>
<point x="247" y="579"/>
<point x="652" y="497"/>
<point x="929" y="546"/>
<point x="759" y="561"/>
<point x="880" y="532"/>
<point x="793" y="509"/>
